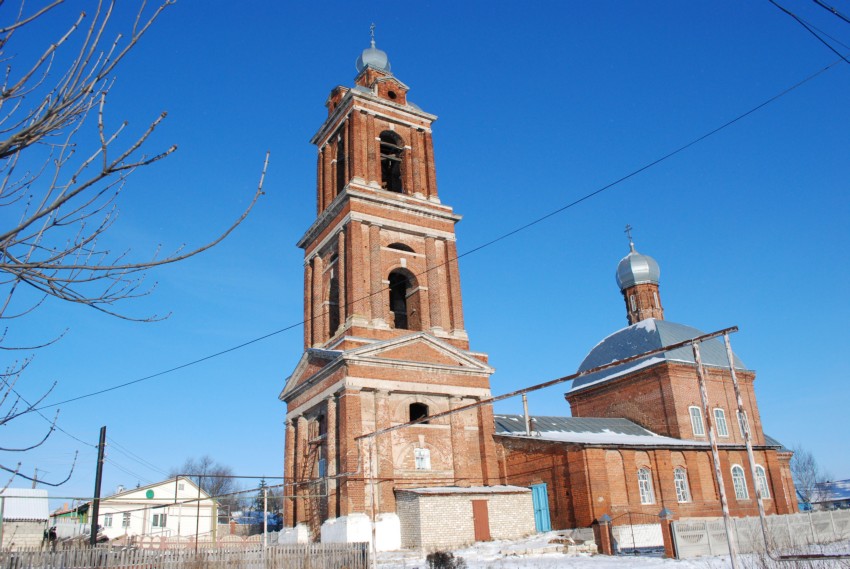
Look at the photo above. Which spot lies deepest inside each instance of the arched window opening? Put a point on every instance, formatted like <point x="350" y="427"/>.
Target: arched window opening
<point x="683" y="491"/>
<point x="340" y="166"/>
<point x="761" y="483"/>
<point x="333" y="305"/>
<point x="398" y="300"/>
<point x="400" y="247"/>
<point x="696" y="421"/>
<point x="740" y="483"/>
<point x="418" y="411"/>
<point x="647" y="494"/>
<point x="392" y="150"/>
<point x="404" y="301"/>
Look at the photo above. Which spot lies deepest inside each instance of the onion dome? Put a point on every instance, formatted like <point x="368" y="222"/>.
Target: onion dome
<point x="635" y="269"/>
<point x="373" y="57"/>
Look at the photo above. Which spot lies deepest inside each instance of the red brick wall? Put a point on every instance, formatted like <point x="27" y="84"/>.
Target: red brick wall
<point x="585" y="483"/>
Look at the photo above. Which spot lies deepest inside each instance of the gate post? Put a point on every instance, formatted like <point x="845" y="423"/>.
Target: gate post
<point x="667" y="533"/>
<point x="602" y="533"/>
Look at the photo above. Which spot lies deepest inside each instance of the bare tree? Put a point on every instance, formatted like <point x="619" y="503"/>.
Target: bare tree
<point x="62" y="168"/>
<point x="807" y="474"/>
<point x="214" y="478"/>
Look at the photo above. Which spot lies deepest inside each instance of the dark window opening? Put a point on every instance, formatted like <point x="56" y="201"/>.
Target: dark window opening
<point x="398" y="299"/>
<point x="418" y="411"/>
<point x="392" y="149"/>
<point x="400" y="247"/>
<point x="333" y="305"/>
<point x="392" y="94"/>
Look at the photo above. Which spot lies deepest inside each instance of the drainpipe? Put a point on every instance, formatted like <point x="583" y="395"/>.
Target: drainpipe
<point x="525" y="415"/>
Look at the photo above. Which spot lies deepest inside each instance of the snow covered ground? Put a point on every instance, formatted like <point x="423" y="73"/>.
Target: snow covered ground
<point x="528" y="554"/>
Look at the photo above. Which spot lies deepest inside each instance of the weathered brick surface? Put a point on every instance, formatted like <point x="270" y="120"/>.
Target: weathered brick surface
<point x="445" y="521"/>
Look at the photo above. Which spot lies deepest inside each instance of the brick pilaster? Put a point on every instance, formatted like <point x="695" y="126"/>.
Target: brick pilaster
<point x="289" y="476"/>
<point x="433" y="279"/>
<point x="317" y="302"/>
<point x="454" y="286"/>
<point x="376" y="281"/>
<point x="331" y="455"/>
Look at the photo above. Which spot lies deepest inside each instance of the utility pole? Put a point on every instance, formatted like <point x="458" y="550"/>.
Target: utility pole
<point x="35" y="477"/>
<point x="95" y="505"/>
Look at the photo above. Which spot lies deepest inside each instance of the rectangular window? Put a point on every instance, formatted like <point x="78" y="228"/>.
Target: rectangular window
<point x="323" y="468"/>
<point x="422" y="457"/>
<point x="632" y="302"/>
<point x="743" y="424"/>
<point x="720" y="422"/>
<point x="159" y="520"/>
<point x="696" y="421"/>
<point x="655" y="296"/>
<point x="125" y="522"/>
<point x="107" y="520"/>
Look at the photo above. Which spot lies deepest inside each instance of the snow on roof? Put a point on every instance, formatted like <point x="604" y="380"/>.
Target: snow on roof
<point x="647" y="335"/>
<point x="832" y="491"/>
<point x="25" y="504"/>
<point x="594" y="430"/>
<point x="469" y="490"/>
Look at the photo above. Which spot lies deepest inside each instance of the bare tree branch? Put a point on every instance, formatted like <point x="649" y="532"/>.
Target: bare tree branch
<point x="63" y="167"/>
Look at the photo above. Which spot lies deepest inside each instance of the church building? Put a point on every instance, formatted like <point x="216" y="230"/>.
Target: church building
<point x="385" y="345"/>
<point x="637" y="440"/>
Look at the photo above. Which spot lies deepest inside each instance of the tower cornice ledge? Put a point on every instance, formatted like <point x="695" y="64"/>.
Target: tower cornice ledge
<point x="404" y="203"/>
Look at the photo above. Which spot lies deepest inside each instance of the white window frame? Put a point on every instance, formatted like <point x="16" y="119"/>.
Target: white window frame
<point x="761" y="482"/>
<point x="422" y="458"/>
<point x="107" y="520"/>
<point x="683" y="490"/>
<point x="720" y="422"/>
<point x="739" y="482"/>
<point x="647" y="494"/>
<point x="632" y="302"/>
<point x="697" y="423"/>
<point x="159" y="520"/>
<point x="125" y="520"/>
<point x="655" y="296"/>
<point x="743" y="423"/>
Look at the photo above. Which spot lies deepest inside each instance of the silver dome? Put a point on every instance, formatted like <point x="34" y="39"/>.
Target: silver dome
<point x="374" y="57"/>
<point x="635" y="268"/>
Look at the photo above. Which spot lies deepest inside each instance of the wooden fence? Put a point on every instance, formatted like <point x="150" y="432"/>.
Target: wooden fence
<point x="296" y="556"/>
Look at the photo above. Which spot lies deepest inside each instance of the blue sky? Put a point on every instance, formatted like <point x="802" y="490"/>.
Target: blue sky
<point x="539" y="104"/>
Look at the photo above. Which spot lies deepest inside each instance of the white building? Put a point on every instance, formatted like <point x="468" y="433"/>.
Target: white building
<point x="169" y="509"/>
<point x="23" y="517"/>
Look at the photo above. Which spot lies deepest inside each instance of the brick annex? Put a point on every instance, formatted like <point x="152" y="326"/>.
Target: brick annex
<point x="385" y="344"/>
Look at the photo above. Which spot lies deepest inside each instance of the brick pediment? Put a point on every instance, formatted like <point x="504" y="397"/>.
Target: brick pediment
<point x="311" y="363"/>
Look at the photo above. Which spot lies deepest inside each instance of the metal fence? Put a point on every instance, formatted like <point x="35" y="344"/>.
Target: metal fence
<point x="637" y="533"/>
<point x="707" y="536"/>
<point x="295" y="556"/>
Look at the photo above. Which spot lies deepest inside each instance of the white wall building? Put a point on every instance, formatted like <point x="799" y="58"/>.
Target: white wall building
<point x="175" y="507"/>
<point x="23" y="517"/>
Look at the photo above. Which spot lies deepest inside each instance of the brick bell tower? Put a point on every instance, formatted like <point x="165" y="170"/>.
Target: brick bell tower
<point x="384" y="337"/>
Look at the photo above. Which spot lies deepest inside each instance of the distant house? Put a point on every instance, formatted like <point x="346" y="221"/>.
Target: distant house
<point x="168" y="509"/>
<point x="831" y="495"/>
<point x="24" y="516"/>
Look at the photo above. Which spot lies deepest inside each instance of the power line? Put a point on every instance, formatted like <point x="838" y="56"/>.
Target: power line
<point x="501" y="237"/>
<point x="811" y="30"/>
<point x="832" y="10"/>
<point x="133" y="456"/>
